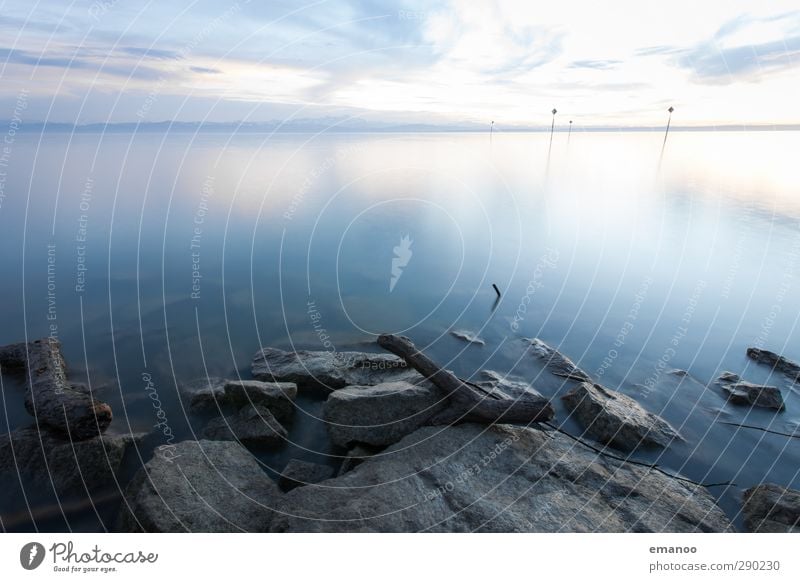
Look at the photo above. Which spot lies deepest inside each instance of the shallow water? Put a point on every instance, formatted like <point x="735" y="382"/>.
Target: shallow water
<point x="630" y="259"/>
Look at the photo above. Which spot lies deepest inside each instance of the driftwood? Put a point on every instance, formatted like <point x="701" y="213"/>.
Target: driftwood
<point x="468" y="402"/>
<point x="50" y="398"/>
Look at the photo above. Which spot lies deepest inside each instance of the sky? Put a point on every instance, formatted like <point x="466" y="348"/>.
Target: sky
<point x="619" y="63"/>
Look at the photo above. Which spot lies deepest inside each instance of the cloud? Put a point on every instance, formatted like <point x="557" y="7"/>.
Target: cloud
<point x="595" y="64"/>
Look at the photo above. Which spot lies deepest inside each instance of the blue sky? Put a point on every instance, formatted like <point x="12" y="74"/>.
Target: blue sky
<point x="397" y="61"/>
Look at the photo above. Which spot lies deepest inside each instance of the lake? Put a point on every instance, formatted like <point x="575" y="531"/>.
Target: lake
<point x="160" y="258"/>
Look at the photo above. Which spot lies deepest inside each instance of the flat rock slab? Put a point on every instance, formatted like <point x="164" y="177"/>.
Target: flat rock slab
<point x="279" y="397"/>
<point x="501" y="478"/>
<point x="512" y="387"/>
<point x="332" y="370"/>
<point x="616" y="419"/>
<point x="207" y="486"/>
<point x="204" y="395"/>
<point x="748" y="394"/>
<point x="380" y="415"/>
<point x="468" y="336"/>
<point x="301" y="473"/>
<point x="46" y="462"/>
<point x="555" y="362"/>
<point x="776" y="362"/>
<point x="251" y="425"/>
<point x="771" y="508"/>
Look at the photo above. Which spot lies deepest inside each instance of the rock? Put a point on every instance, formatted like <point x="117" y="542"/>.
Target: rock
<point x="468" y="336"/>
<point x="46" y="462"/>
<point x="748" y="394"/>
<point x="770" y="508"/>
<point x="514" y="388"/>
<point x="355" y="456"/>
<point x="300" y="473"/>
<point x="332" y="370"/>
<point x="776" y="362"/>
<point x="50" y="398"/>
<point x="251" y="425"/>
<point x="207" y="486"/>
<point x="380" y="415"/>
<point x="277" y="396"/>
<point x="557" y="363"/>
<point x="500" y="478"/>
<point x="616" y="419"/>
<point x="204" y="395"/>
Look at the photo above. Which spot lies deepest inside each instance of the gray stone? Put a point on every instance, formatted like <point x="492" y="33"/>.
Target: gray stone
<point x="204" y="395"/>
<point x="776" y="362"/>
<point x="251" y="425"/>
<point x="770" y="508"/>
<point x="749" y="394"/>
<point x="468" y="336"/>
<point x="380" y="415"/>
<point x="277" y="396"/>
<point x="616" y="419"/>
<point x="500" y="478"/>
<point x="512" y="387"/>
<point x="555" y="362"/>
<point x="355" y="456"/>
<point x="301" y="473"/>
<point x="207" y="486"/>
<point x="332" y="370"/>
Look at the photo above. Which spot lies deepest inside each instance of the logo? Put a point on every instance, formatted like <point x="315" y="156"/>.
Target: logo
<point x="402" y="255"/>
<point x="31" y="555"/>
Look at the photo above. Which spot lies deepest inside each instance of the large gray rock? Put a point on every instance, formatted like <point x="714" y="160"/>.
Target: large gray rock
<point x="771" y="508"/>
<point x="616" y="419"/>
<point x="204" y="395"/>
<point x="277" y="396"/>
<point x="508" y="385"/>
<point x="555" y="362"/>
<point x="748" y="394"/>
<point x="45" y="461"/>
<point x="500" y="478"/>
<point x="206" y="486"/>
<point x="380" y="415"/>
<point x="776" y="362"/>
<point x="299" y="473"/>
<point x="251" y="425"/>
<point x="332" y="370"/>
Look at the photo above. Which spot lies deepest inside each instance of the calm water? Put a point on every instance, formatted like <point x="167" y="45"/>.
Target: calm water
<point x="631" y="260"/>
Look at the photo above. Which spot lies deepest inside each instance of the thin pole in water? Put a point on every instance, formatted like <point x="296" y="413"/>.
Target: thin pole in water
<point x="553" y="125"/>
<point x="569" y="133"/>
<point x="669" y="120"/>
<point x="496" y="290"/>
<point x="491" y="131"/>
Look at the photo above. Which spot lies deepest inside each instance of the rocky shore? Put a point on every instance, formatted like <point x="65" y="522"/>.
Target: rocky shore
<point x="425" y="451"/>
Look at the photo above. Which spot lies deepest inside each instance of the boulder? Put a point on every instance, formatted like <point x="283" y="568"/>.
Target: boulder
<point x="771" y="508"/>
<point x="204" y="395"/>
<point x="50" y="398"/>
<point x="380" y="415"/>
<point x="251" y="425"/>
<point x="331" y="370"/>
<point x="44" y="461"/>
<point x="355" y="456"/>
<point x="748" y="394"/>
<point x="512" y="387"/>
<point x="468" y="336"/>
<point x="299" y="473"/>
<point x="277" y="396"/>
<point x="555" y="362"/>
<point x="500" y="478"/>
<point x="616" y="419"/>
<point x="206" y="486"/>
<point x="776" y="362"/>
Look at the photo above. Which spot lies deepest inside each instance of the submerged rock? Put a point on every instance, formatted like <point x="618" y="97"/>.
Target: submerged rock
<point x="616" y="419"/>
<point x="46" y="462"/>
<point x="301" y="473"/>
<point x="380" y="415"/>
<point x="770" y="508"/>
<point x="749" y="394"/>
<point x="251" y="425"/>
<point x="499" y="478"/>
<point x="207" y="486"/>
<point x="277" y="396"/>
<point x="50" y="398"/>
<point x="468" y="336"/>
<point x="776" y="362"/>
<point x="557" y="363"/>
<point x="332" y="370"/>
